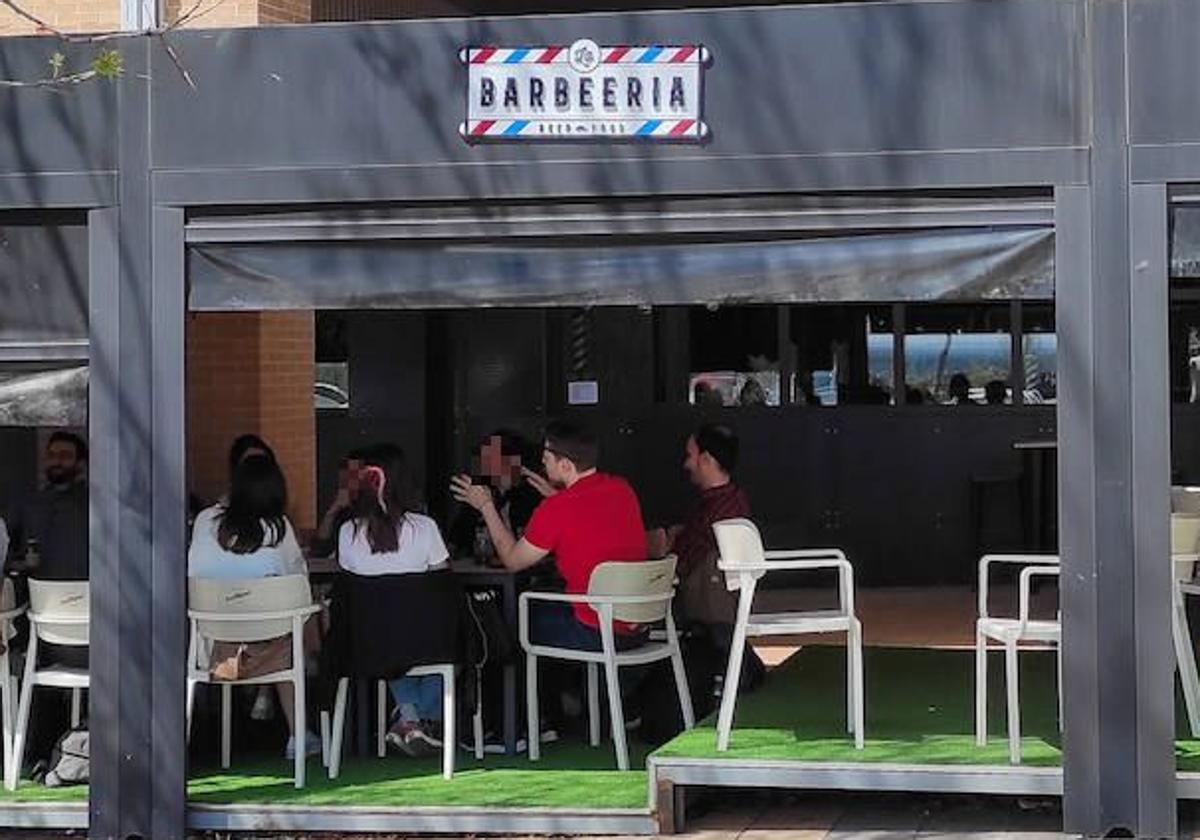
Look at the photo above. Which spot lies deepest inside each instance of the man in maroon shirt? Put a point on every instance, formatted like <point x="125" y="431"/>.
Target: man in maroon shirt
<point x="587" y="519"/>
<point x="710" y="459"/>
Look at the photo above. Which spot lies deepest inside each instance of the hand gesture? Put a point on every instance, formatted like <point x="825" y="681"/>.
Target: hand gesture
<point x="466" y="491"/>
<point x="539" y="482"/>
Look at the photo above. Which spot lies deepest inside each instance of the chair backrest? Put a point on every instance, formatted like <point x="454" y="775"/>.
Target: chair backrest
<point x="1185" y="499"/>
<point x="59" y="611"/>
<point x="645" y="578"/>
<point x="1185" y="539"/>
<point x="235" y="596"/>
<point x="740" y="544"/>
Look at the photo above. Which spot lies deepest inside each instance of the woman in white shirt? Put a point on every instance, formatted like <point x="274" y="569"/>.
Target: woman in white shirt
<point x="249" y="536"/>
<point x="384" y="537"/>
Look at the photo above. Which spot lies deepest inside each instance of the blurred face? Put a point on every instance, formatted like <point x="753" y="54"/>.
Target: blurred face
<point x="348" y="476"/>
<point x="491" y="458"/>
<point x="62" y="463"/>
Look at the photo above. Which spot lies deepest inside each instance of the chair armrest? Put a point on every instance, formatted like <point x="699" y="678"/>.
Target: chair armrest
<point x="1027" y="576"/>
<point x="807" y="559"/>
<point x="295" y="612"/>
<point x="988" y="560"/>
<point x="15" y="612"/>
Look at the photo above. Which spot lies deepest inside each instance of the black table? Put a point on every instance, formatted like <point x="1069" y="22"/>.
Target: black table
<point x="510" y="585"/>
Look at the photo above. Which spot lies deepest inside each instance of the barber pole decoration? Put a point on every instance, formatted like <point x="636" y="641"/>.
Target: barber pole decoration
<point x="585" y="92"/>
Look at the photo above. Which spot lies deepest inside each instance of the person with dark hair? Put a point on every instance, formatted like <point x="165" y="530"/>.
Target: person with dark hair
<point x="503" y="462"/>
<point x="245" y="446"/>
<point x="249" y="536"/>
<point x="710" y="458"/>
<point x="384" y="536"/>
<point x="324" y="539"/>
<point x="49" y="541"/>
<point x="593" y="518"/>
<point x="959" y="390"/>
<point x="50" y="537"/>
<point x="995" y="392"/>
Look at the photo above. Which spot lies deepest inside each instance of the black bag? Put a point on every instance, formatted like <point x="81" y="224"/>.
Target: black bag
<point x="705" y="662"/>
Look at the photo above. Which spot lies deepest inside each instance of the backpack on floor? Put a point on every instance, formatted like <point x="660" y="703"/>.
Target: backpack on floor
<point x="69" y="760"/>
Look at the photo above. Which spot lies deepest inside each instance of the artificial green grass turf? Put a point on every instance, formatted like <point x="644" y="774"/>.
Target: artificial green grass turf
<point x="569" y="775"/>
<point x="920" y="709"/>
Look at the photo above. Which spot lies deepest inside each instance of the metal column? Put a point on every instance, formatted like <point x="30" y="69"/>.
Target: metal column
<point x="137" y="529"/>
<point x="1114" y="473"/>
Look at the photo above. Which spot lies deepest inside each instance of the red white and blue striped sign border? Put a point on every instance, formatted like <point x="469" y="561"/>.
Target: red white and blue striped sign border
<point x="667" y="129"/>
<point x="654" y="54"/>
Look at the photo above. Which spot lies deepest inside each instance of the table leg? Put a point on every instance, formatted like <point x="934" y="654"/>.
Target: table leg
<point x="509" y="597"/>
<point x="1036" y="495"/>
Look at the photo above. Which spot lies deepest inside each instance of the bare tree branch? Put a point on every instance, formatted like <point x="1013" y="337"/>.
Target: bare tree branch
<point x="108" y="64"/>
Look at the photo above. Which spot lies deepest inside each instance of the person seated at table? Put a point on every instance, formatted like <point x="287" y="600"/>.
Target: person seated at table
<point x="49" y="541"/>
<point x="710" y="458"/>
<point x="502" y="463"/>
<point x="959" y="390"/>
<point x="250" y="536"/>
<point x="593" y="518"/>
<point x="995" y="392"/>
<point x="325" y="538"/>
<point x="384" y="536"/>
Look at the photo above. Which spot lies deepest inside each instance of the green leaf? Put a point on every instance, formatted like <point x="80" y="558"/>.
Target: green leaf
<point x="57" y="62"/>
<point x="107" y="64"/>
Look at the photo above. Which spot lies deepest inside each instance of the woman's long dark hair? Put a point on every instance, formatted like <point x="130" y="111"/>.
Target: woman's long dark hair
<point x="254" y="516"/>
<point x="382" y="499"/>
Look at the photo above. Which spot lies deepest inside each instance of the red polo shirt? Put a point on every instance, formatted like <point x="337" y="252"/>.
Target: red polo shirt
<point x="595" y="520"/>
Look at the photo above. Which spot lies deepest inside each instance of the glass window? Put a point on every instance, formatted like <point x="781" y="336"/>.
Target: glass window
<point x="958" y="355"/>
<point x="1039" y="354"/>
<point x="331" y="381"/>
<point x="734" y="355"/>
<point x="843" y="354"/>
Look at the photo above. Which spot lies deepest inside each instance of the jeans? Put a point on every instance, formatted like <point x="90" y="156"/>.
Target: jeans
<point x="418" y="698"/>
<point x="553" y="623"/>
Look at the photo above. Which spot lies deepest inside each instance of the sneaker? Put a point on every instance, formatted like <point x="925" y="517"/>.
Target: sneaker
<point x="633" y="723"/>
<point x="264" y="704"/>
<point x="312" y="746"/>
<point x="408" y="737"/>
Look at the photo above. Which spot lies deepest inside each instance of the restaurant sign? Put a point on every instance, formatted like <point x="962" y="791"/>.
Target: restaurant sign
<point x="585" y="92"/>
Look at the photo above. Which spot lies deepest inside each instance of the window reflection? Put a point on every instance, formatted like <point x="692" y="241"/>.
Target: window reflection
<point x="958" y="355"/>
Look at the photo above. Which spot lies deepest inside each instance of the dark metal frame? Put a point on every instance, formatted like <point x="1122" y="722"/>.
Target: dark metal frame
<point x="1110" y="215"/>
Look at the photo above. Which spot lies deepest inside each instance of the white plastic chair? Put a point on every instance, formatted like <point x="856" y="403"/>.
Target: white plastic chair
<point x="1010" y="632"/>
<point x="633" y="592"/>
<point x="1185" y="499"/>
<point x="244" y="611"/>
<point x="58" y="615"/>
<point x="449" y="738"/>
<point x="1185" y="552"/>
<point x="744" y="562"/>
<point x="9" y="611"/>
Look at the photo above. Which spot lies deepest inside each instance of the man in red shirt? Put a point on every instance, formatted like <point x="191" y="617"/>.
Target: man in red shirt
<point x="588" y="518"/>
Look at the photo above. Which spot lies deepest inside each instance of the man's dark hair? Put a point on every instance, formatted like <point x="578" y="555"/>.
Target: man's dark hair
<point x="719" y="441"/>
<point x="81" y="450"/>
<point x="242" y="445"/>
<point x="573" y="442"/>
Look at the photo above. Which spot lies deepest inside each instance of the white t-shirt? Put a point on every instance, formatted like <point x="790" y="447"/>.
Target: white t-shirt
<point x="419" y="548"/>
<point x="208" y="559"/>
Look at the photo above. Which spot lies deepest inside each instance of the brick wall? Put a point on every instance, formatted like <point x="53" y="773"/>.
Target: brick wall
<point x="252" y="372"/>
<point x="63" y="15"/>
<point x="285" y="11"/>
<point x="105" y="15"/>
